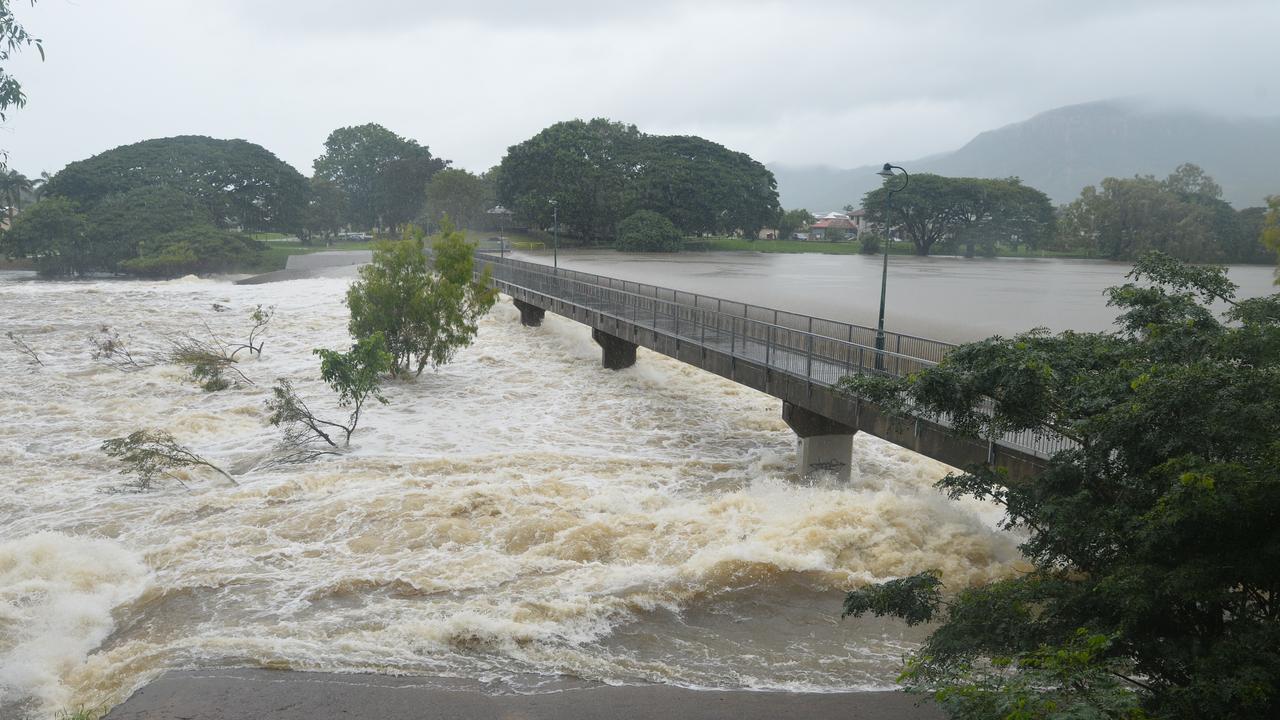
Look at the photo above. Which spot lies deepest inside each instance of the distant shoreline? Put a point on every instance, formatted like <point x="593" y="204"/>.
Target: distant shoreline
<point x="244" y="694"/>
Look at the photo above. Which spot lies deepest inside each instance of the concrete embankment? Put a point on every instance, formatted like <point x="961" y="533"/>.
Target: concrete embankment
<point x="337" y="263"/>
<point x="248" y="694"/>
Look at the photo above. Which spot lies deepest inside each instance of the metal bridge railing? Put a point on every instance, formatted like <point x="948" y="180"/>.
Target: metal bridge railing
<point x="820" y="351"/>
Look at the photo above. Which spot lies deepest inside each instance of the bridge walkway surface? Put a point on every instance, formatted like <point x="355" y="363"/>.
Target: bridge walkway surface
<point x="797" y="358"/>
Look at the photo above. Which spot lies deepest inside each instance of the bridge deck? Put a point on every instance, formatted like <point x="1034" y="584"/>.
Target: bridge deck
<point x="795" y="357"/>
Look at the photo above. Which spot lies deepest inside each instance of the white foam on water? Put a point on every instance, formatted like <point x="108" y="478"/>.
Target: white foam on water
<point x="57" y="593"/>
<point x="519" y="513"/>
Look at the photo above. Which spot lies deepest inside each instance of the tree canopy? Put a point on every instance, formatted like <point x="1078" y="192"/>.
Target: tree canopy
<point x="1155" y="539"/>
<point x="239" y="184"/>
<point x="973" y="211"/>
<point x="425" y="307"/>
<point x="458" y="195"/>
<point x="383" y="175"/>
<point x="1183" y="215"/>
<point x="600" y="171"/>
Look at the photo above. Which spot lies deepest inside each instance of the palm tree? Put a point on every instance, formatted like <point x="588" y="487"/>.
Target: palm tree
<point x="12" y="185"/>
<point x="38" y="185"/>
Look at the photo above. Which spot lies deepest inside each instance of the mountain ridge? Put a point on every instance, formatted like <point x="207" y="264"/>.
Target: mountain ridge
<point x="1063" y="150"/>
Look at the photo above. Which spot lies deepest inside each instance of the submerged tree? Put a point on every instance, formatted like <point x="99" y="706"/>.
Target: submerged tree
<point x="356" y="376"/>
<point x="154" y="455"/>
<point x="1155" y="539"/>
<point x="426" y="309"/>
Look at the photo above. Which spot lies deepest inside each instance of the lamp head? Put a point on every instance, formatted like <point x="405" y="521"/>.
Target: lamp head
<point x="886" y="171"/>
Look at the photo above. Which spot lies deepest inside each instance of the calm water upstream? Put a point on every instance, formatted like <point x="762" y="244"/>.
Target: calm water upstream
<point x="947" y="298"/>
<point x="518" y="517"/>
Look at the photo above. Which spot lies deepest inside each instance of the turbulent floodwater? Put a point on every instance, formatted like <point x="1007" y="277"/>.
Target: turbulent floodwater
<point x="518" y="517"/>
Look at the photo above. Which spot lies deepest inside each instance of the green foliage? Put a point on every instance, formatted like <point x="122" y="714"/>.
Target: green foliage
<point x="237" y="182"/>
<point x="457" y="195"/>
<point x="356" y="375"/>
<point x="154" y="455"/>
<point x="1156" y="530"/>
<point x="121" y="224"/>
<point x="647" y="231"/>
<point x="193" y="250"/>
<point x="425" y="310"/>
<point x="383" y="176"/>
<point x="914" y="599"/>
<point x="1270" y="235"/>
<point x="326" y="208"/>
<point x="1076" y="680"/>
<point x="13" y="36"/>
<point x="601" y="171"/>
<point x="54" y="233"/>
<point x="975" y="211"/>
<point x="791" y="222"/>
<point x="1182" y="215"/>
<point x="869" y="243"/>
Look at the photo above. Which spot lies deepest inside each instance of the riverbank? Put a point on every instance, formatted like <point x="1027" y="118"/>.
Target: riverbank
<point x="245" y="694"/>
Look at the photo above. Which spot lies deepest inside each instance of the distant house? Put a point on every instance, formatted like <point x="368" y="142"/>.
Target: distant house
<point x="860" y="221"/>
<point x="767" y="234"/>
<point x="833" y="227"/>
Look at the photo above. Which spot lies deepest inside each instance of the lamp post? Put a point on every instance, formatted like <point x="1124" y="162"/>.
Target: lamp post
<point x="887" y="172"/>
<point x="555" y="237"/>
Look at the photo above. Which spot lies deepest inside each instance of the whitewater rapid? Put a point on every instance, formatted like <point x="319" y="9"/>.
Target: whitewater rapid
<point x="521" y="515"/>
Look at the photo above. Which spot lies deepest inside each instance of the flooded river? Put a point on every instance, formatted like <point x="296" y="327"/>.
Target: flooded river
<point x="947" y="298"/>
<point x="519" y="518"/>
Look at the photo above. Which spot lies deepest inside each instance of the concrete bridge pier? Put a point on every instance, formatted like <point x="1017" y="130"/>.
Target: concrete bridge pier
<point x="615" y="353"/>
<point x="824" y="446"/>
<point x="530" y="315"/>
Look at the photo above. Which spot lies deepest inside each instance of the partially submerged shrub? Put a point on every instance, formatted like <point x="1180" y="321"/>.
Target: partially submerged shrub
<point x="154" y="455"/>
<point x="355" y="375"/>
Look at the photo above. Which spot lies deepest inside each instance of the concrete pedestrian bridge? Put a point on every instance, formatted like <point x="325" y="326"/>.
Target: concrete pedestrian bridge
<point x="796" y="358"/>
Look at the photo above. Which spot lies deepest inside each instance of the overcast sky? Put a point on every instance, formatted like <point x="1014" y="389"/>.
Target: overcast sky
<point x="824" y="82"/>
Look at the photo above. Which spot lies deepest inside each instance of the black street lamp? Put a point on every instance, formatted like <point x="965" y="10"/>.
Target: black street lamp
<point x="887" y="172"/>
<point x="555" y="237"/>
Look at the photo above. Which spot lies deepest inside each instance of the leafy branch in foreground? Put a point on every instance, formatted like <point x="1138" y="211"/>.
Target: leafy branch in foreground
<point x="154" y="455"/>
<point x="24" y="348"/>
<point x="1157" y="530"/>
<point x="355" y="375"/>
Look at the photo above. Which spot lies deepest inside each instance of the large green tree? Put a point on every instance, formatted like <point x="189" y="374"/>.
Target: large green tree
<point x="973" y="211"/>
<point x="585" y="167"/>
<point x="458" y="195"/>
<point x="791" y="222"/>
<point x="702" y="186"/>
<point x="239" y="183"/>
<point x="121" y="223"/>
<point x="599" y="172"/>
<point x="1183" y="215"/>
<point x="54" y="233"/>
<point x="383" y="174"/>
<point x="326" y="208"/>
<point x="1155" y="538"/>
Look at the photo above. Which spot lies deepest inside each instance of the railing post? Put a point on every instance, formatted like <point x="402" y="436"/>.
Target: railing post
<point x="733" y="336"/>
<point x="768" y="343"/>
<point x="702" y="321"/>
<point x="897" y="360"/>
<point x="808" y="368"/>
